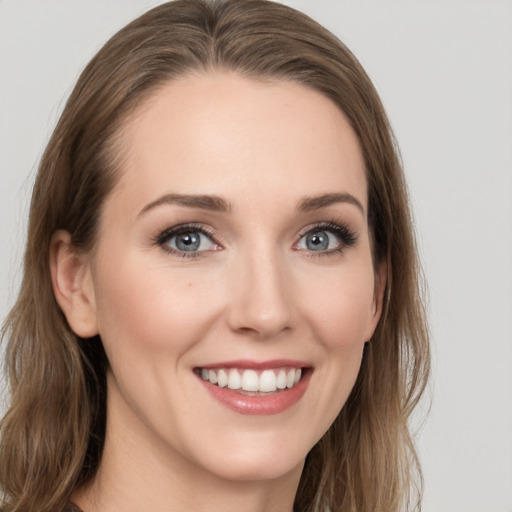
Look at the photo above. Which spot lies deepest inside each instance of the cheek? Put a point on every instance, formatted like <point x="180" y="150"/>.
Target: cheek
<point x="339" y="319"/>
<point x="144" y="307"/>
<point x="341" y="307"/>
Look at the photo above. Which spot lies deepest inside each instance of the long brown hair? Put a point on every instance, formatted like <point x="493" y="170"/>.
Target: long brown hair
<point x="52" y="435"/>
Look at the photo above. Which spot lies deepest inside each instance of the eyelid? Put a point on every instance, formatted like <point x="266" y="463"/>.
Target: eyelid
<point x="346" y="236"/>
<point x="164" y="236"/>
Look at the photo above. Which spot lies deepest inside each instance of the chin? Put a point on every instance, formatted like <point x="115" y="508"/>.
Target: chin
<point x="258" y="461"/>
<point x="267" y="470"/>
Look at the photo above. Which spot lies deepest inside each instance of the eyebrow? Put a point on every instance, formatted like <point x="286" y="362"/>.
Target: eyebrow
<point x="203" y="202"/>
<point x="308" y="204"/>
<point x="218" y="204"/>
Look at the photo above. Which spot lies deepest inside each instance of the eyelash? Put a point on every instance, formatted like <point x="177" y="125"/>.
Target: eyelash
<point x="347" y="238"/>
<point x="163" y="238"/>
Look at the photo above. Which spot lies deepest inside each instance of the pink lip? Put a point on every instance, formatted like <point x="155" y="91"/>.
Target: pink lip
<point x="275" y="403"/>
<point x="257" y="365"/>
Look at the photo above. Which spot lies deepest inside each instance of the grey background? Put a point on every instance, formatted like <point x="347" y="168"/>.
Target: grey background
<point x="444" y="71"/>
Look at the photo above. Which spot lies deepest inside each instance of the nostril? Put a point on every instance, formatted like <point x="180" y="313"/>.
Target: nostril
<point x="262" y="331"/>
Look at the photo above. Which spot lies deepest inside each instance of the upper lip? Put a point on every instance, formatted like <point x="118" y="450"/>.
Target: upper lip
<point x="256" y="365"/>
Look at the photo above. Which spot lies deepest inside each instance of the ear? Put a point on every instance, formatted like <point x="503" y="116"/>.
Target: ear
<point x="378" y="297"/>
<point x="72" y="285"/>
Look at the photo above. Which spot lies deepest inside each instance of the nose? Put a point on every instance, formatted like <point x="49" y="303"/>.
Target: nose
<point x="260" y="298"/>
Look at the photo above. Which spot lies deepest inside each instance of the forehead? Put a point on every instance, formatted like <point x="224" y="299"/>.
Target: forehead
<point x="223" y="134"/>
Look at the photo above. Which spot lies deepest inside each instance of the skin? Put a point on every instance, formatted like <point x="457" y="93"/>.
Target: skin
<point x="256" y="292"/>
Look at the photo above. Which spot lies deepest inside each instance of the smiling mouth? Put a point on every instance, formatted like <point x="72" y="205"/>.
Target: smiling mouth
<point x="251" y="381"/>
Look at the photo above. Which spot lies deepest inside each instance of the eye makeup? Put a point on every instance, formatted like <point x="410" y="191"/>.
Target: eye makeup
<point x="189" y="240"/>
<point x="195" y="240"/>
<point x="343" y="238"/>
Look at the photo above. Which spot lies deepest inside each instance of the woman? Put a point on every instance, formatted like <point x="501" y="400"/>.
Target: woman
<point x="220" y="306"/>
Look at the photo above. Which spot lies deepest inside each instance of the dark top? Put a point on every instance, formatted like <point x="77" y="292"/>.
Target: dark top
<point x="73" y="508"/>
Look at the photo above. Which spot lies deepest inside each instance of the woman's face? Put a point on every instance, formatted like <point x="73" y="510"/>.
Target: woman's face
<point x="234" y="251"/>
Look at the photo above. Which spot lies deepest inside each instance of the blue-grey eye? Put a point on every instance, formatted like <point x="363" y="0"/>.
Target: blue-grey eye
<point x="188" y="241"/>
<point x="319" y="240"/>
<point x="191" y="241"/>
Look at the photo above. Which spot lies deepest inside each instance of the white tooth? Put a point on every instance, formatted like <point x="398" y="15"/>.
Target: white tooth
<point x="281" y="379"/>
<point x="212" y="376"/>
<point x="222" y="378"/>
<point x="298" y="374"/>
<point x="250" y="381"/>
<point x="290" y="378"/>
<point x="268" y="381"/>
<point x="234" y="379"/>
<point x="204" y="373"/>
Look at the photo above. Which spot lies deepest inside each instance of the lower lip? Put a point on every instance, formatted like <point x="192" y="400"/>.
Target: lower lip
<point x="274" y="403"/>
